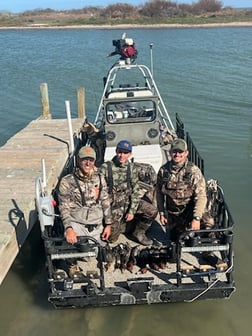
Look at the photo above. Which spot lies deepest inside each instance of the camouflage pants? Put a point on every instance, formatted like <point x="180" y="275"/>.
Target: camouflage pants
<point x="145" y="214"/>
<point x="117" y="226"/>
<point x="119" y="209"/>
<point x="179" y="223"/>
<point x="147" y="210"/>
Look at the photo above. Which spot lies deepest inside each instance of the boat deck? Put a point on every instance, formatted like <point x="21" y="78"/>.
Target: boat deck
<point x="20" y="164"/>
<point x="194" y="268"/>
<point x="192" y="263"/>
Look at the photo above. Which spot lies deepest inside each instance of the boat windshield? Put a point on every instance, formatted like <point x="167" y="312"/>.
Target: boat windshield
<point x="131" y="111"/>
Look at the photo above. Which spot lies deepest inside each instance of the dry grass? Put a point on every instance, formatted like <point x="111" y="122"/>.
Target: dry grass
<point x="81" y="17"/>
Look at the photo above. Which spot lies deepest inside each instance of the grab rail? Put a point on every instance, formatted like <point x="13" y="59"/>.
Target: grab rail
<point x="194" y="155"/>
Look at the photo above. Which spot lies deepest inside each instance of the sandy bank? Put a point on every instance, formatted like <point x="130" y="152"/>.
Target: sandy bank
<point x="137" y="26"/>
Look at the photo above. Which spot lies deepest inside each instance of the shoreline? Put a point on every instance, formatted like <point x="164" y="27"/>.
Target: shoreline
<point x="133" y="26"/>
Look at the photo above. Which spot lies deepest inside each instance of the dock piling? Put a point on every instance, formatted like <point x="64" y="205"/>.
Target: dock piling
<point x="81" y="103"/>
<point x="46" y="114"/>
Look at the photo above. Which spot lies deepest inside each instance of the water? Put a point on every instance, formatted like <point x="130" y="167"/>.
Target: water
<point x="203" y="74"/>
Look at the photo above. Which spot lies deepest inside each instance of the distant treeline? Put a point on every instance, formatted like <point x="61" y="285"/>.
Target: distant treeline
<point x="151" y="12"/>
<point x="152" y="8"/>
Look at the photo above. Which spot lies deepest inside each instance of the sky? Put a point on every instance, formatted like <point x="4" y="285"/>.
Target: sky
<point x="17" y="6"/>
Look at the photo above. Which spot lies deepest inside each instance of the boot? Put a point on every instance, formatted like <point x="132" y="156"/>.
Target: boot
<point x="140" y="233"/>
<point x="74" y="270"/>
<point x="214" y="261"/>
<point x="172" y="253"/>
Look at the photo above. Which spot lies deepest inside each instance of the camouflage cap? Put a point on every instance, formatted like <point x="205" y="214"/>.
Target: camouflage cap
<point x="87" y="152"/>
<point x="124" y="145"/>
<point x="179" y="144"/>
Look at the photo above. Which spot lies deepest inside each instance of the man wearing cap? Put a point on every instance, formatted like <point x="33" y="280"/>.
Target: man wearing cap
<point x="123" y="186"/>
<point x="84" y="203"/>
<point x="181" y="192"/>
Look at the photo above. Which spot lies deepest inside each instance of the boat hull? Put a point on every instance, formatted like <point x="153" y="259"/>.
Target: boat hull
<point x="138" y="295"/>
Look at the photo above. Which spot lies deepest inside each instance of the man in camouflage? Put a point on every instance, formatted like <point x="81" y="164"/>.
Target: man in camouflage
<point x="181" y="193"/>
<point x="85" y="188"/>
<point x="80" y="194"/>
<point x="129" y="214"/>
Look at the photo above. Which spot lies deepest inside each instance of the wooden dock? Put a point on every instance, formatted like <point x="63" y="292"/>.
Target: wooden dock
<point x="20" y="161"/>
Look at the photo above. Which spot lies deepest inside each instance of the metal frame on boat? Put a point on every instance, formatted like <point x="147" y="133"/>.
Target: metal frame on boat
<point x="133" y="109"/>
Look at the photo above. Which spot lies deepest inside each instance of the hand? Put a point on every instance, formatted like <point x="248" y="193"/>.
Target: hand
<point x="71" y="236"/>
<point x="195" y="225"/>
<point x="106" y="232"/>
<point x="129" y="217"/>
<point x="163" y="220"/>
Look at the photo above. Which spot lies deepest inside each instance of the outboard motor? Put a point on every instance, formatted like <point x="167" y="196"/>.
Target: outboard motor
<point x="125" y="47"/>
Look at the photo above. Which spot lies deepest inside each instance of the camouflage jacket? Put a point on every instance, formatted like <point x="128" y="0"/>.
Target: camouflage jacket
<point x="125" y="194"/>
<point x="179" y="187"/>
<point x="71" y="199"/>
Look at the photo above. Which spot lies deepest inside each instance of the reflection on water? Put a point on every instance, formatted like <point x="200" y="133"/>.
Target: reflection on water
<point x="207" y="80"/>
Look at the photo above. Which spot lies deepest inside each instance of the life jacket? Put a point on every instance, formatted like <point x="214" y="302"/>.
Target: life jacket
<point x="146" y="174"/>
<point x="110" y="180"/>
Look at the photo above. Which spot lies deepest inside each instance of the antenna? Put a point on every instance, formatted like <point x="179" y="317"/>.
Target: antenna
<point x="151" y="57"/>
<point x="70" y="129"/>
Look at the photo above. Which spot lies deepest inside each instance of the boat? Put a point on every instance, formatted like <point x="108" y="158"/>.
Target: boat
<point x="132" y="108"/>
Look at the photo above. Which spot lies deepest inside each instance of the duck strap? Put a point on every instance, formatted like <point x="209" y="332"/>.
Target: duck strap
<point x="129" y="177"/>
<point x="110" y="177"/>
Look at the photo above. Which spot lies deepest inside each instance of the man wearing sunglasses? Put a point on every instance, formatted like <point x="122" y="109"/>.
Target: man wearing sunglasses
<point x="181" y="192"/>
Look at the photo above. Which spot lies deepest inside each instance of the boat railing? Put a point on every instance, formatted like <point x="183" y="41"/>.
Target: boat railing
<point x="149" y="83"/>
<point x="180" y="129"/>
<point x="194" y="155"/>
<point x="58" y="250"/>
<point x="218" y="239"/>
<point x="222" y="211"/>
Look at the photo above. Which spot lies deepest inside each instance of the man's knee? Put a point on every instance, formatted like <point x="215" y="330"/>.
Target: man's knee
<point x="147" y="210"/>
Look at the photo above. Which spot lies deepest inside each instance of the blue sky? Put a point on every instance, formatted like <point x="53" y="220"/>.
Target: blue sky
<point x="16" y="6"/>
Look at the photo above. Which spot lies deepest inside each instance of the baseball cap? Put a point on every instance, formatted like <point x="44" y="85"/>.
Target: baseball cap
<point x="179" y="144"/>
<point x="124" y="145"/>
<point x="87" y="152"/>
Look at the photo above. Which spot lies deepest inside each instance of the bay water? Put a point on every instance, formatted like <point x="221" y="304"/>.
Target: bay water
<point x="205" y="75"/>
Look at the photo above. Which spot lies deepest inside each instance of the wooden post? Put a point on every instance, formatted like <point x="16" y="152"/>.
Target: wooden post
<point x="81" y="103"/>
<point x="45" y="102"/>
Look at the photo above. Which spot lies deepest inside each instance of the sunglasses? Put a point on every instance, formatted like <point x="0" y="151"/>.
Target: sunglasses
<point x="177" y="151"/>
